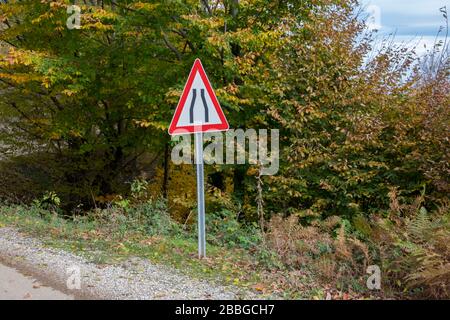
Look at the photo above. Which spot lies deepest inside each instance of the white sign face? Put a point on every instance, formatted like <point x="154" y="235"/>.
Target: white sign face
<point x="198" y="98"/>
<point x="198" y="109"/>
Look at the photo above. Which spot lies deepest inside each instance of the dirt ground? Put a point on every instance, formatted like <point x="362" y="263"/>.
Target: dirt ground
<point x="17" y="286"/>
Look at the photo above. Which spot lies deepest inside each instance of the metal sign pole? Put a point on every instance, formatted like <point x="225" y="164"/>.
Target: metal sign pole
<point x="200" y="195"/>
<point x="183" y="122"/>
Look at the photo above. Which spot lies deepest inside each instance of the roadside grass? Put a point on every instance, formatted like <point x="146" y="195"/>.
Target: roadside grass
<point x="288" y="262"/>
<point x="109" y="243"/>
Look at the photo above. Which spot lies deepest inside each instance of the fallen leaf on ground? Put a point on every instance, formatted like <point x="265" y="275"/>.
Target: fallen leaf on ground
<point x="258" y="287"/>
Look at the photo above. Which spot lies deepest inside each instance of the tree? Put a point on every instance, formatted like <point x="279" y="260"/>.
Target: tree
<point x="101" y="95"/>
<point x="99" y="99"/>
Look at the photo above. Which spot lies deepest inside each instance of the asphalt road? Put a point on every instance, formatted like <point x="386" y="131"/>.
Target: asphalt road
<point x="17" y="286"/>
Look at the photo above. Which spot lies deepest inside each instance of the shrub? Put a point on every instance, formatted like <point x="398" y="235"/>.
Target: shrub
<point x="324" y="247"/>
<point x="150" y="218"/>
<point x="49" y="200"/>
<point x="154" y="216"/>
<point x="223" y="228"/>
<point x="414" y="246"/>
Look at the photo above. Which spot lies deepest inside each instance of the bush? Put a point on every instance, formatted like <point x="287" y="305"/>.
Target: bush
<point x="223" y="228"/>
<point x="150" y="218"/>
<point x="324" y="248"/>
<point x="414" y="247"/>
<point x="154" y="217"/>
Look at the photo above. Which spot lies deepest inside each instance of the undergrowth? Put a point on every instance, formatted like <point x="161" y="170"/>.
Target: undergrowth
<point x="323" y="259"/>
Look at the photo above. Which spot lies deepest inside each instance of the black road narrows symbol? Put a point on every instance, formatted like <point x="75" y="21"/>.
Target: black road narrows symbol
<point x="191" y="110"/>
<point x="205" y="105"/>
<point x="202" y="93"/>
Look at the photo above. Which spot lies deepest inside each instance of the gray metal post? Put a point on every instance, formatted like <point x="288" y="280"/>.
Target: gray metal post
<point x="200" y="195"/>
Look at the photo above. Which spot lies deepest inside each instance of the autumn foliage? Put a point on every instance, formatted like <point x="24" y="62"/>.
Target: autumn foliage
<point x="85" y="112"/>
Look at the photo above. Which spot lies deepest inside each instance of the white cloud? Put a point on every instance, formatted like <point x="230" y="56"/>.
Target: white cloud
<point x="414" y="7"/>
<point x="415" y="23"/>
<point x="408" y="17"/>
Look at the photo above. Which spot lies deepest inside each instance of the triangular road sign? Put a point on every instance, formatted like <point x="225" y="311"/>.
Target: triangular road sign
<point x="198" y="109"/>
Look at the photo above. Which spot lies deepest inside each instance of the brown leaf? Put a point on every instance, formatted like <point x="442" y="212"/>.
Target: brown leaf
<point x="259" y="287"/>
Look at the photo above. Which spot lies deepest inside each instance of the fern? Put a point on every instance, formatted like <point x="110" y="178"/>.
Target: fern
<point x="418" y="227"/>
<point x="418" y="255"/>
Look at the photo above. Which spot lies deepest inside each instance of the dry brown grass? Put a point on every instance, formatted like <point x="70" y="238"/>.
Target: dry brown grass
<point x="333" y="259"/>
<point x="414" y="245"/>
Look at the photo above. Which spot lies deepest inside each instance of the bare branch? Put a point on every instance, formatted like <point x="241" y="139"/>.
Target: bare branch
<point x="171" y="46"/>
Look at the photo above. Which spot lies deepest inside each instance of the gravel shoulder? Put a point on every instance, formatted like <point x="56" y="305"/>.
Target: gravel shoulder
<point x="133" y="279"/>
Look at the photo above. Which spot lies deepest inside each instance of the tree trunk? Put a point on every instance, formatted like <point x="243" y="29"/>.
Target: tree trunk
<point x="238" y="183"/>
<point x="166" y="170"/>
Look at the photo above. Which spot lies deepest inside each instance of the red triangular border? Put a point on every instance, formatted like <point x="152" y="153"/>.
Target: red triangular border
<point x="176" y="130"/>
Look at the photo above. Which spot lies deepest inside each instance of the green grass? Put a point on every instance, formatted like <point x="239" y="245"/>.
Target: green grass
<point x="102" y="243"/>
<point x="236" y="254"/>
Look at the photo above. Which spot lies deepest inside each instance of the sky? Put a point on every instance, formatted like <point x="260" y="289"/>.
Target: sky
<point x="413" y="21"/>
